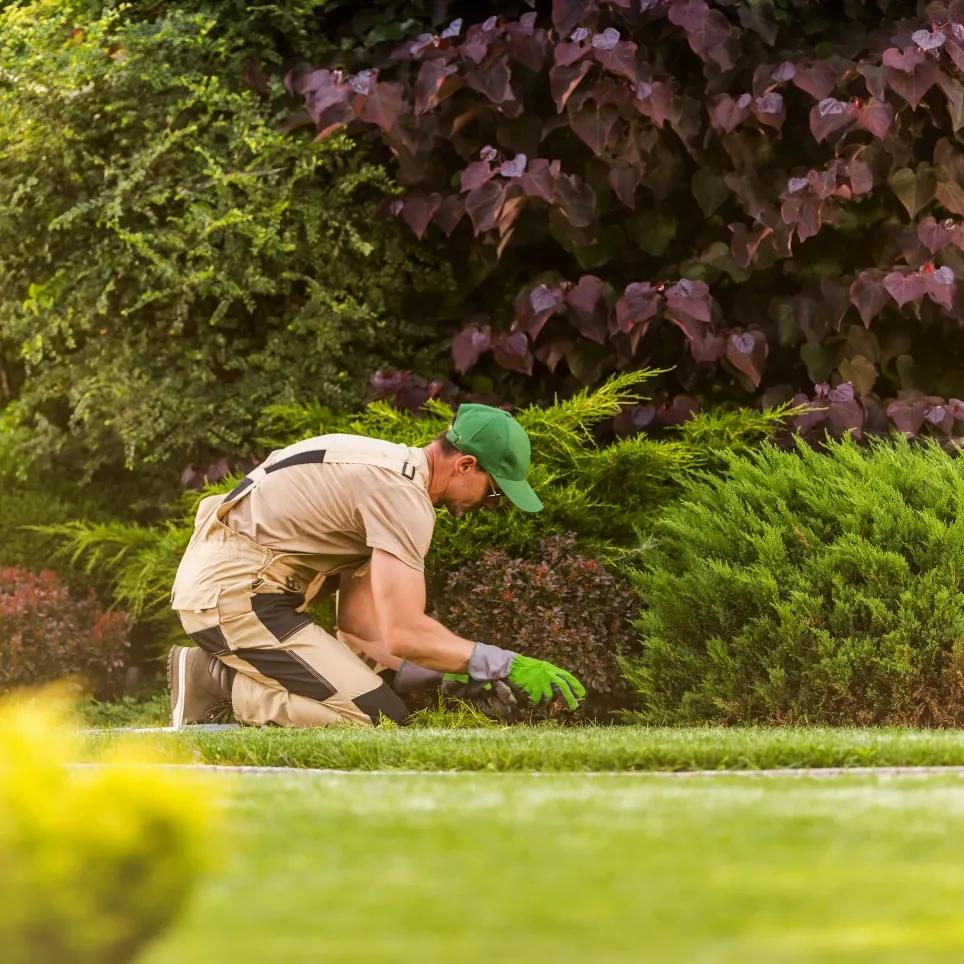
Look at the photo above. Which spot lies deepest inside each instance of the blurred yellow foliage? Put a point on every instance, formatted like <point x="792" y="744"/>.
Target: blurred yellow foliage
<point x="95" y="860"/>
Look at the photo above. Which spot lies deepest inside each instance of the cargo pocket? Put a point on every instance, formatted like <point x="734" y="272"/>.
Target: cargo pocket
<point x="194" y="598"/>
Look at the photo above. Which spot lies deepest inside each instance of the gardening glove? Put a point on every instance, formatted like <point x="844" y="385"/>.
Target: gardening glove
<point x="493" y="697"/>
<point x="538" y="679"/>
<point x="412" y="678"/>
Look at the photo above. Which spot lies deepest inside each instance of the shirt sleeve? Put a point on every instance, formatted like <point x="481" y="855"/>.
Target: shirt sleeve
<point x="399" y="519"/>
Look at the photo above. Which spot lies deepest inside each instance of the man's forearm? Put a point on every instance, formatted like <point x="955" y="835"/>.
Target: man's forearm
<point x="428" y="643"/>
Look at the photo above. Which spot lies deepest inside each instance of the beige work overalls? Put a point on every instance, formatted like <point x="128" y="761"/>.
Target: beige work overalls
<point x="244" y="604"/>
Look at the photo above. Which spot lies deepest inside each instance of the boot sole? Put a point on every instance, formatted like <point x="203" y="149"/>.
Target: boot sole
<point x="176" y="680"/>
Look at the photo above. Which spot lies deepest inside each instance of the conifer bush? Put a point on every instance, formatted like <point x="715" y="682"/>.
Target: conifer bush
<point x="47" y="633"/>
<point x="818" y="587"/>
<point x="94" y="863"/>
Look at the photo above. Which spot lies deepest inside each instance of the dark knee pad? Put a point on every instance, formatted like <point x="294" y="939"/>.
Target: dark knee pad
<point x="382" y="701"/>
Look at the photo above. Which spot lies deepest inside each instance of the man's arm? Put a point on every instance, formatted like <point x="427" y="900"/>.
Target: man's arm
<point x="399" y="595"/>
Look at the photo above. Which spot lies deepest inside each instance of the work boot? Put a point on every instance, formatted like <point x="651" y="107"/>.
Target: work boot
<point x="200" y="686"/>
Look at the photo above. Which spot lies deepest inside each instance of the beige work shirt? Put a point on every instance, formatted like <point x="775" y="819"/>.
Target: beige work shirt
<point x="339" y="511"/>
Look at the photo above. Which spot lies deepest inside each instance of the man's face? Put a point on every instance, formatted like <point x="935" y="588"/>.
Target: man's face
<point x="470" y="488"/>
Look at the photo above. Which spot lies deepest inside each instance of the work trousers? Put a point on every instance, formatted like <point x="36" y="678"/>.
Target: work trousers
<point x="244" y="605"/>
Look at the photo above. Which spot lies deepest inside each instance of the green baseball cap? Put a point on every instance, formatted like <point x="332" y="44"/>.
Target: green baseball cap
<point x="502" y="447"/>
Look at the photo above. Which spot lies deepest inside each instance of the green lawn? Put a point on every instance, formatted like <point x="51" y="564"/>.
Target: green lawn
<point x="559" y="749"/>
<point x="466" y="867"/>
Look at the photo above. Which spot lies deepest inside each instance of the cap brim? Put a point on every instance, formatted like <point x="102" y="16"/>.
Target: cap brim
<point x="520" y="494"/>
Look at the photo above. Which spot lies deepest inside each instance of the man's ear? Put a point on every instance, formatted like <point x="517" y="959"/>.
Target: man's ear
<point x="467" y="463"/>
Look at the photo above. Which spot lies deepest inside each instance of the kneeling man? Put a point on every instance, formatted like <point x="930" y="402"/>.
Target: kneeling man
<point x="352" y="515"/>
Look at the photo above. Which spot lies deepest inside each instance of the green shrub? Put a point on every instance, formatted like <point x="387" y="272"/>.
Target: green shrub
<point x="563" y="606"/>
<point x="47" y="633"/>
<point x="94" y="863"/>
<point x="820" y="587"/>
<point x="171" y="260"/>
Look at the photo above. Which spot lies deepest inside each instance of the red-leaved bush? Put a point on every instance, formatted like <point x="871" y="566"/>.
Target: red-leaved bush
<point x="562" y="606"/>
<point x="46" y="633"/>
<point x="765" y="198"/>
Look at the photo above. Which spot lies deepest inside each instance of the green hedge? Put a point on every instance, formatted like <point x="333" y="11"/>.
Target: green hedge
<point x="820" y="587"/>
<point x="171" y="260"/>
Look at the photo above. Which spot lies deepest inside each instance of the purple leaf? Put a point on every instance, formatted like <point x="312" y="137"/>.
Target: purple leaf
<point x="432" y="86"/>
<point x="553" y="350"/>
<point x="690" y="299"/>
<point x="585" y="311"/>
<point x="784" y="72"/>
<point x="817" y="79"/>
<point x="475" y="175"/>
<point x="450" y="213"/>
<point x="727" y="114"/>
<point x="655" y="101"/>
<point x="567" y="14"/>
<point x="452" y="30"/>
<point x="928" y="40"/>
<point x="362" y="82"/>
<point x="593" y="125"/>
<point x="494" y="80"/>
<point x="420" y="43"/>
<point x="830" y="105"/>
<point x="940" y="285"/>
<point x="936" y="414"/>
<point x="577" y="200"/>
<point x="540" y="179"/>
<point x="543" y="298"/>
<point x="511" y="351"/>
<point x="636" y="306"/>
<point x="565" y="55"/>
<point x="769" y="110"/>
<point x="624" y="180"/>
<point x="579" y="35"/>
<point x="905" y="286"/>
<point x="619" y="59"/>
<point x="382" y="107"/>
<point x="908" y="416"/>
<point x="906" y="60"/>
<point x="747" y="352"/>
<point x="563" y="82"/>
<point x="829" y="116"/>
<point x="484" y="205"/>
<point x="534" y="308"/>
<point x="844" y="392"/>
<point x="869" y="296"/>
<point x="875" y="116"/>
<point x="514" y="168"/>
<point x="488" y="153"/>
<point x="691" y="15"/>
<point x="490" y="24"/>
<point x="606" y="40"/>
<point x="469" y="345"/>
<point x="417" y="212"/>
<point x="936" y="235"/>
<point x="913" y="85"/>
<point x="796" y="184"/>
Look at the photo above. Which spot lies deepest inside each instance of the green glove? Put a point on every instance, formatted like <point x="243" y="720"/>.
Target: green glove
<point x="540" y="681"/>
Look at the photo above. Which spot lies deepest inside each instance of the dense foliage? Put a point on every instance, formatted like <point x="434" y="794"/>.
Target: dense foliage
<point x="764" y="196"/>
<point x="804" y="587"/>
<point x="95" y="863"/>
<point x="561" y="606"/>
<point x="605" y="493"/>
<point x="47" y="633"/>
<point x="171" y="259"/>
